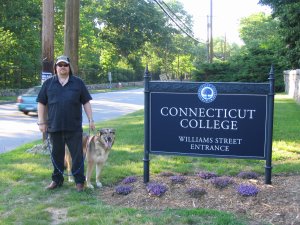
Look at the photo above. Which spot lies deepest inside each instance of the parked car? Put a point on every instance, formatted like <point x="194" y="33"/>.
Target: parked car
<point x="27" y="102"/>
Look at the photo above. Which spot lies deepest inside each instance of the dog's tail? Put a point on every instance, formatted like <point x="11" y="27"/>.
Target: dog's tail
<point x="85" y="138"/>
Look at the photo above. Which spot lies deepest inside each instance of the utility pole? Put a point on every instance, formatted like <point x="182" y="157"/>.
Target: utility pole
<point x="207" y="40"/>
<point x="47" y="42"/>
<point x="211" y="33"/>
<point x="71" y="38"/>
<point x="225" y="47"/>
<point x="178" y="75"/>
<point x="48" y="36"/>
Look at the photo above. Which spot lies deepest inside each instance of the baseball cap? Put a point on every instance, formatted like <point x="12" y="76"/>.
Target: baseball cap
<point x="62" y="58"/>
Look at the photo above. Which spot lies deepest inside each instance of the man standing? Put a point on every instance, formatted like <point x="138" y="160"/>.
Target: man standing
<point x="60" y="114"/>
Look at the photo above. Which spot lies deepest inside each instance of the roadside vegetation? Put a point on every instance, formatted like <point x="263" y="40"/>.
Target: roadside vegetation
<point x="24" y="176"/>
<point x="7" y="99"/>
<point x="123" y="36"/>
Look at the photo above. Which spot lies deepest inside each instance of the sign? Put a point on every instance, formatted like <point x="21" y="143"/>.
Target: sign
<point x="219" y="119"/>
<point x="45" y="76"/>
<point x="208" y="124"/>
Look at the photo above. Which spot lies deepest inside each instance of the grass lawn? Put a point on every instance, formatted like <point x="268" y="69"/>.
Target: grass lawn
<point x="8" y="99"/>
<point x="23" y="175"/>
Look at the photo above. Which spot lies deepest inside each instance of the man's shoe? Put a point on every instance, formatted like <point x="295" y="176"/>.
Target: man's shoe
<point x="53" y="185"/>
<point x="79" y="187"/>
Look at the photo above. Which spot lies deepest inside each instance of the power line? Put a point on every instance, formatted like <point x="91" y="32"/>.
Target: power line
<point x="192" y="37"/>
<point x="191" y="32"/>
<point x="165" y="11"/>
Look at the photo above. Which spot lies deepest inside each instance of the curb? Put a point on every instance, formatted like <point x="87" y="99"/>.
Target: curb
<point x="9" y="102"/>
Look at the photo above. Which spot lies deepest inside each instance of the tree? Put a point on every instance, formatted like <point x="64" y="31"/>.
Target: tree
<point x="259" y="30"/>
<point x="287" y="12"/>
<point x="23" y="20"/>
<point x="8" y="43"/>
<point x="251" y="62"/>
<point x="262" y="48"/>
<point x="91" y="46"/>
<point x="173" y="54"/>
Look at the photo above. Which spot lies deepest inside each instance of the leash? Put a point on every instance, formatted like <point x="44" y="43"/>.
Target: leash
<point x="53" y="161"/>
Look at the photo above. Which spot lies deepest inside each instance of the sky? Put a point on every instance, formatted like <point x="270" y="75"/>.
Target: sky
<point x="226" y="16"/>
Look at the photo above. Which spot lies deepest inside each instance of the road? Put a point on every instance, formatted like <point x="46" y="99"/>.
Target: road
<point x="17" y="128"/>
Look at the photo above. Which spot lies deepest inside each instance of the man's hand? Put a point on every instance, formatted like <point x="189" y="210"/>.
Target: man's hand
<point x="43" y="127"/>
<point x="92" y="125"/>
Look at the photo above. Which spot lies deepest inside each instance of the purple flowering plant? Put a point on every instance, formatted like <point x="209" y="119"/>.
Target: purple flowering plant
<point x="156" y="189"/>
<point x="221" y="182"/>
<point x="248" y="175"/>
<point x="196" y="192"/>
<point x="247" y="190"/>
<point x="129" y="180"/>
<point x="177" y="179"/>
<point x="206" y="175"/>
<point x="123" y="189"/>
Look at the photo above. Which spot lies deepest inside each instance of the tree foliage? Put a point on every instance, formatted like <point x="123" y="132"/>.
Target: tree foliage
<point x="253" y="61"/>
<point x="128" y="24"/>
<point x="262" y="48"/>
<point x="123" y="36"/>
<point x="288" y="15"/>
<point x="21" y="20"/>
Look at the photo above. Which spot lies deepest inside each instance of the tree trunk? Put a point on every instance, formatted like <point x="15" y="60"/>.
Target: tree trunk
<point x="48" y="36"/>
<point x="47" y="40"/>
<point x="71" y="38"/>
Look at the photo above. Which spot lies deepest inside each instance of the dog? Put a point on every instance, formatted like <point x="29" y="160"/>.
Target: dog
<point x="97" y="148"/>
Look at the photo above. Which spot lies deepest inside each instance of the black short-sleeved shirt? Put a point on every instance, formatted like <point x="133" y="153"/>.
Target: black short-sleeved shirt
<point x="64" y="103"/>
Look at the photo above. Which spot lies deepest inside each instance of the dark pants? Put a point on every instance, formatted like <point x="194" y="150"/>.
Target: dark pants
<point x="74" y="142"/>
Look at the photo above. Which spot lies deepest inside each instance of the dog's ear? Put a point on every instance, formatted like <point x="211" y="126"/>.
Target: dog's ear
<point x="101" y="131"/>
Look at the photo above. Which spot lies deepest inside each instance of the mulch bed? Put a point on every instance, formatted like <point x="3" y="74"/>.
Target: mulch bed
<point x="278" y="203"/>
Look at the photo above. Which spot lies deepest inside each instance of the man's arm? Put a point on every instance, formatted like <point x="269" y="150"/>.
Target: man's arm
<point x="42" y="117"/>
<point x="89" y="113"/>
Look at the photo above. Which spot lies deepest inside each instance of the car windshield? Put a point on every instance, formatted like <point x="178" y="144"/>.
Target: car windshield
<point x="33" y="91"/>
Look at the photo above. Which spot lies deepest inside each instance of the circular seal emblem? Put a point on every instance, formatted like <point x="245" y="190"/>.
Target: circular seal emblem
<point x="207" y="93"/>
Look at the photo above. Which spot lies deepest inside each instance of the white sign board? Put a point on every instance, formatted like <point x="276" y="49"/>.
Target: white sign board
<point x="45" y="76"/>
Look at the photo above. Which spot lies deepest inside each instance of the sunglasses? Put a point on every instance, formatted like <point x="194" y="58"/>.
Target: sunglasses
<point x="63" y="65"/>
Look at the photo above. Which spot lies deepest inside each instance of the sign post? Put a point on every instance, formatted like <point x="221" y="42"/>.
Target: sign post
<point x="109" y="79"/>
<point x="146" y="125"/>
<point x="268" y="167"/>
